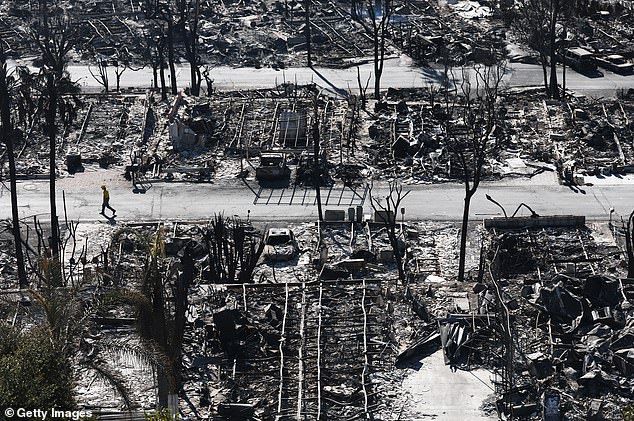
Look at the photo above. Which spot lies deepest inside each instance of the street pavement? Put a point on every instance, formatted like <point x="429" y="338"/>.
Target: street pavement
<point x="399" y="72"/>
<point x="199" y="201"/>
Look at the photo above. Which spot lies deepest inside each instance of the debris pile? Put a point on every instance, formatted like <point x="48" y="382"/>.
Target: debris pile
<point x="604" y="29"/>
<point x="408" y="139"/>
<point x="259" y="34"/>
<point x="569" y="316"/>
<point x="224" y="136"/>
<point x="599" y="136"/>
<point x="110" y="130"/>
<point x="453" y="34"/>
<point x="276" y="348"/>
<point x="96" y="129"/>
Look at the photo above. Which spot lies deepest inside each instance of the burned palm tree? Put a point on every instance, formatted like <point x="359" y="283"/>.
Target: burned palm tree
<point x="233" y="251"/>
<point x="8" y="136"/>
<point x="160" y="303"/>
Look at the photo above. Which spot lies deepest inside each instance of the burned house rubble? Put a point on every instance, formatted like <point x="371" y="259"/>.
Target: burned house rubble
<point x="581" y="137"/>
<point x="406" y="137"/>
<point x="308" y="210"/>
<point x="283" y="344"/>
<point x="329" y="330"/>
<point x="567" y="316"/>
<point x="257" y="34"/>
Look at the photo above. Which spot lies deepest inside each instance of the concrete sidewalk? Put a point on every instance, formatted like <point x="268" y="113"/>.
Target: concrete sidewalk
<point x="434" y="392"/>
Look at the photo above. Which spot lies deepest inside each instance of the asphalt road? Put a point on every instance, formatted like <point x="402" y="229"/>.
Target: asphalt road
<point x="190" y="201"/>
<point x="399" y="72"/>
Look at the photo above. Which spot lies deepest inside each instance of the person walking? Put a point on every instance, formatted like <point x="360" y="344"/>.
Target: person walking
<point x="106" y="202"/>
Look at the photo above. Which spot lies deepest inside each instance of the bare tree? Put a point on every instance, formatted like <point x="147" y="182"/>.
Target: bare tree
<point x="189" y="13"/>
<point x="163" y="13"/>
<point x="55" y="36"/>
<point x="122" y="62"/>
<point x="7" y="136"/>
<point x="378" y="30"/>
<point x="101" y="73"/>
<point x="387" y="216"/>
<point x="469" y="136"/>
<point x="536" y="25"/>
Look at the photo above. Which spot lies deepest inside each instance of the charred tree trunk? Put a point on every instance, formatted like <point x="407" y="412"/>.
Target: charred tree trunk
<point x="191" y="44"/>
<point x="463" y="235"/>
<point x="162" y="75"/>
<point x="544" y="63"/>
<point x="377" y="72"/>
<point x="51" y="113"/>
<point x="180" y="308"/>
<point x="380" y="61"/>
<point x="118" y="78"/>
<point x="193" y="73"/>
<point x="210" y="87"/>
<point x="554" y="86"/>
<point x="170" y="54"/>
<point x="154" y="76"/>
<point x="8" y="138"/>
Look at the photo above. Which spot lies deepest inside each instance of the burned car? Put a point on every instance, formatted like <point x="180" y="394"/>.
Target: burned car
<point x="616" y="63"/>
<point x="280" y="245"/>
<point x="272" y="167"/>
